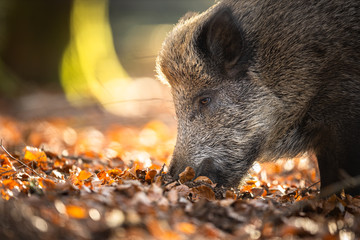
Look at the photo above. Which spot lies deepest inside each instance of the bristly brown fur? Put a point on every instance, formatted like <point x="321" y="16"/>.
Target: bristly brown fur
<point x="280" y="78"/>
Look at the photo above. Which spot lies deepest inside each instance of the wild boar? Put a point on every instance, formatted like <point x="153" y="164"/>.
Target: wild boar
<point x="260" y="80"/>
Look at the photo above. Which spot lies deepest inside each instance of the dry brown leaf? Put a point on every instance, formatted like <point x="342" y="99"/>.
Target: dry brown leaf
<point x="203" y="191"/>
<point x="258" y="192"/>
<point x="203" y="179"/>
<point x="187" y="175"/>
<point x="230" y="195"/>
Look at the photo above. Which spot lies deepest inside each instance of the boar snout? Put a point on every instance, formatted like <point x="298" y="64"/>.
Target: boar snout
<point x="176" y="168"/>
<point x="207" y="168"/>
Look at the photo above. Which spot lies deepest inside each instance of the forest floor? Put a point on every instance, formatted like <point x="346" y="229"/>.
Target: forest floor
<point x="65" y="177"/>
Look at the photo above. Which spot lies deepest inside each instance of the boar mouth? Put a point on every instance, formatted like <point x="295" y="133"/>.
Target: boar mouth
<point x="207" y="168"/>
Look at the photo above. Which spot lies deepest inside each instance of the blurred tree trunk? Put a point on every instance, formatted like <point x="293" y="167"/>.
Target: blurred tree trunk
<point x="35" y="34"/>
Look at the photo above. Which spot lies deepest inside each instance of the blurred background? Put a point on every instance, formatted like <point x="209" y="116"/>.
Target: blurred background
<point x="93" y="58"/>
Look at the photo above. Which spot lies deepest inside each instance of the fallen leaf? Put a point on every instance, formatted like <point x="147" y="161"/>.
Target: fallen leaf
<point x="11" y="184"/>
<point x="257" y="191"/>
<point x="230" y="194"/>
<point x="84" y="175"/>
<point x="203" y="191"/>
<point x="182" y="190"/>
<point x="34" y="154"/>
<point x="6" y="171"/>
<point x="150" y="175"/>
<point x="76" y="211"/>
<point x="187" y="175"/>
<point x="47" y="183"/>
<point x="203" y="179"/>
<point x="114" y="173"/>
<point x="186" y="227"/>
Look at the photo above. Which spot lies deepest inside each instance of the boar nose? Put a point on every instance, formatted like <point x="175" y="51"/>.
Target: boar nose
<point x="207" y="168"/>
<point x="176" y="168"/>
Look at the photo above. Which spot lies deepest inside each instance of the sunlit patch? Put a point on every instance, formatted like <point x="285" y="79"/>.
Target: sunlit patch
<point x="346" y="235"/>
<point x="332" y="227"/>
<point x="289" y="165"/>
<point x="94" y="214"/>
<point x="253" y="232"/>
<point x="70" y="136"/>
<point x="303" y="162"/>
<point x="60" y="206"/>
<point x="140" y="157"/>
<point x="39" y="223"/>
<point x="148" y="137"/>
<point x="115" y="218"/>
<point x="307" y="224"/>
<point x="256" y="168"/>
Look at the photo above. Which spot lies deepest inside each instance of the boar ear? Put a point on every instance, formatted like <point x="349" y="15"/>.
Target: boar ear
<point x="187" y="16"/>
<point x="221" y="39"/>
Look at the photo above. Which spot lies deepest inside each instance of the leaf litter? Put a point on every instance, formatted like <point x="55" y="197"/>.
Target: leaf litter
<point x="90" y="184"/>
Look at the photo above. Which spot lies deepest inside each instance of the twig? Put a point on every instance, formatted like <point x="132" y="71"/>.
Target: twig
<point x="308" y="188"/>
<point x="7" y="172"/>
<point x="18" y="160"/>
<point x="161" y="171"/>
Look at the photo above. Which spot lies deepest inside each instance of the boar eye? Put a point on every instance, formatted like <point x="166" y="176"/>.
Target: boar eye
<point x="205" y="101"/>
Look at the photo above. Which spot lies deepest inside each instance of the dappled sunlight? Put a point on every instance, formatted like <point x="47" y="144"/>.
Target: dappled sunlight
<point x="90" y="67"/>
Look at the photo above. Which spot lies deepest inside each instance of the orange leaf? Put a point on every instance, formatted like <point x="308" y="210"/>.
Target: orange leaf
<point x="10" y="184"/>
<point x="114" y="172"/>
<point x="83" y="175"/>
<point x="102" y="175"/>
<point x="246" y="188"/>
<point x="264" y="193"/>
<point x="150" y="175"/>
<point x="59" y="163"/>
<point x="76" y="211"/>
<point x="251" y="182"/>
<point x="5" y="195"/>
<point x="74" y="180"/>
<point x="47" y="183"/>
<point x="34" y="154"/>
<point x="185" y="227"/>
<point x="4" y="159"/>
<point x="6" y="171"/>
